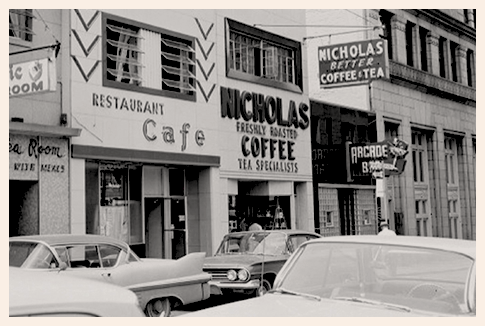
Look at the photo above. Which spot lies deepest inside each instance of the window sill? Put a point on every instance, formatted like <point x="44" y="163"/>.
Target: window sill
<point x="151" y="91"/>
<point x="264" y="81"/>
<point x="19" y="42"/>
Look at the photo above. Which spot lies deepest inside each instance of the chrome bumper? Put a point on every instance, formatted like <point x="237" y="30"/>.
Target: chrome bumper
<point x="216" y="287"/>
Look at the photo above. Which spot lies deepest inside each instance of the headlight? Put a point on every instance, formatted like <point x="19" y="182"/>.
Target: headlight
<point x="243" y="275"/>
<point x="231" y="275"/>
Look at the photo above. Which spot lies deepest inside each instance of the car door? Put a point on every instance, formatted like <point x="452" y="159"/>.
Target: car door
<point x="295" y="240"/>
<point x="92" y="261"/>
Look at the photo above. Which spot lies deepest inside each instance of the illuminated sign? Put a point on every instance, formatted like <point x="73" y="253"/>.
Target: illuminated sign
<point x="377" y="159"/>
<point x="352" y="63"/>
<point x="32" y="77"/>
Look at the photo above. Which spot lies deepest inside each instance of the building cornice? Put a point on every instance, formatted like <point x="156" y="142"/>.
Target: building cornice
<point x="436" y="16"/>
<point x="431" y="84"/>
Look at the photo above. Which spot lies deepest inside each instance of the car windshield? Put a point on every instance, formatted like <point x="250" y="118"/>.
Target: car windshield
<point x="268" y="243"/>
<point x="393" y="276"/>
<point x="30" y="255"/>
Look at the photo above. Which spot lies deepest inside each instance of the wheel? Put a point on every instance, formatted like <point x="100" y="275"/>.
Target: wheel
<point x="263" y="288"/>
<point x="159" y="308"/>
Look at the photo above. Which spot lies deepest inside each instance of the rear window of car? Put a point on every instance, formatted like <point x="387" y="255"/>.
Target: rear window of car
<point x="19" y="251"/>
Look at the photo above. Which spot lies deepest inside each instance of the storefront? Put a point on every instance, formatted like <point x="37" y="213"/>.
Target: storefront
<point x="265" y="169"/>
<point x="143" y="170"/>
<point x="39" y="179"/>
<point x="345" y="203"/>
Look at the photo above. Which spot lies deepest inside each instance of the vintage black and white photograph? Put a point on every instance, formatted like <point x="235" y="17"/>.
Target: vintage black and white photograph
<point x="242" y="162"/>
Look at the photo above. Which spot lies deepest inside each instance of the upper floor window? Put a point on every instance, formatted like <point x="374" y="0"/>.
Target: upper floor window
<point x="451" y="161"/>
<point x="410" y="44"/>
<point x="148" y="59"/>
<point x="262" y="57"/>
<point x="423" y="35"/>
<point x="442" y="56"/>
<point x="20" y="24"/>
<point x="465" y="14"/>
<point x="470" y="67"/>
<point x="419" y="156"/>
<point x="453" y="63"/>
<point x="385" y="17"/>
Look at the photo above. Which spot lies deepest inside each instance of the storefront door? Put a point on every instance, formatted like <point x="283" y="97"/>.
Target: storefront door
<point x="165" y="212"/>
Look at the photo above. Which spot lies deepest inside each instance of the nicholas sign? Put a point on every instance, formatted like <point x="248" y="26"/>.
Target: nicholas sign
<point x="352" y="63"/>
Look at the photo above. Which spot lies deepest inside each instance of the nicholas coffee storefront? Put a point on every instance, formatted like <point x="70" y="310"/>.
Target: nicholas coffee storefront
<point x="265" y="165"/>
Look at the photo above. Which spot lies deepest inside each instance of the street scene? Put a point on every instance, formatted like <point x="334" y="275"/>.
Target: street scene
<point x="242" y="162"/>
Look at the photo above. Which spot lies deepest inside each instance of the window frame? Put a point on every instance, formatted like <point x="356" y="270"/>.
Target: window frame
<point x="137" y="88"/>
<point x="27" y="33"/>
<point x="237" y="27"/>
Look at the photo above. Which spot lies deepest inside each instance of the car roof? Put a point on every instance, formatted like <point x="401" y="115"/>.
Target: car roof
<point x="466" y="247"/>
<point x="40" y="292"/>
<point x="58" y="239"/>
<point x="286" y="231"/>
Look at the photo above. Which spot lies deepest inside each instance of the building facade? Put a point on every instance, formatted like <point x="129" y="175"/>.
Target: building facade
<point x="343" y="205"/>
<point x="429" y="101"/>
<point x="190" y="124"/>
<point x="39" y="136"/>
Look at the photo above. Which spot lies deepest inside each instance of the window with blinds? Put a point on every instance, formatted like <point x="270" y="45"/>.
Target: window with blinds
<point x="152" y="59"/>
<point x="20" y="24"/>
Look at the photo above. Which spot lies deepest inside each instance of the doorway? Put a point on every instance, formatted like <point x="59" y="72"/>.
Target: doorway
<point x="347" y="211"/>
<point x="23" y="208"/>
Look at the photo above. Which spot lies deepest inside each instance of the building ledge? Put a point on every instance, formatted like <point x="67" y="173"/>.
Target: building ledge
<point x="33" y="129"/>
<point x="431" y="84"/>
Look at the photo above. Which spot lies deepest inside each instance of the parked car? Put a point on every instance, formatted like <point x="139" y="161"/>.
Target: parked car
<point x="360" y="276"/>
<point x="160" y="284"/>
<point x="248" y="262"/>
<point x="48" y="295"/>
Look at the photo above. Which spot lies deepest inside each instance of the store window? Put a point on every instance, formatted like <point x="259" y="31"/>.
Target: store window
<point x="328" y="211"/>
<point x="20" y="24"/>
<point x="113" y="201"/>
<point x="270" y="212"/>
<point x="149" y="59"/>
<point x="261" y="57"/>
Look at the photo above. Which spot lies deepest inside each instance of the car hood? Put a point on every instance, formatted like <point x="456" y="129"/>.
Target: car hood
<point x="234" y="261"/>
<point x="284" y="305"/>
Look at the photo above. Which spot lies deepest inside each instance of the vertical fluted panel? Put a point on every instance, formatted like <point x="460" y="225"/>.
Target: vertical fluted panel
<point x="150" y="45"/>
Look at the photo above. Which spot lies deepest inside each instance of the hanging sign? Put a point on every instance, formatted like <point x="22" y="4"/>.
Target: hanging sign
<point x="377" y="159"/>
<point x="352" y="63"/>
<point x="32" y="77"/>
